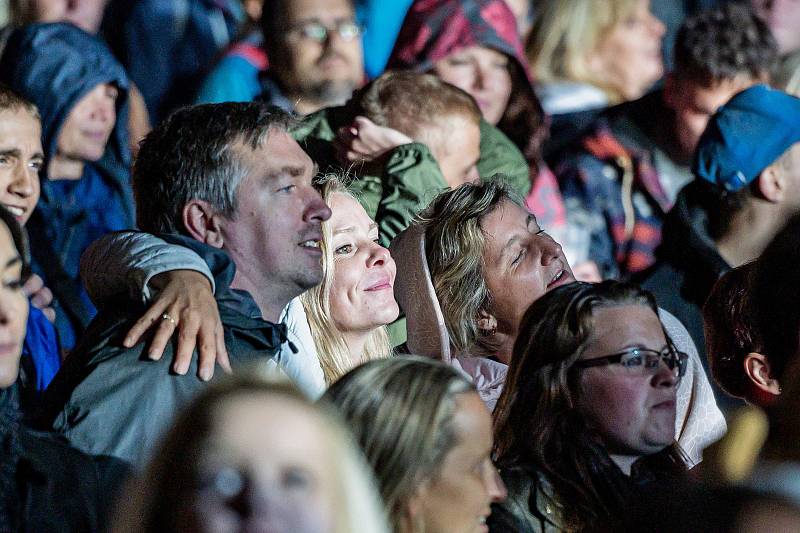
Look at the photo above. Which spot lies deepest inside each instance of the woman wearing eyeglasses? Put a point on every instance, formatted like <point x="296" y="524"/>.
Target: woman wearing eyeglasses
<point x="587" y="416"/>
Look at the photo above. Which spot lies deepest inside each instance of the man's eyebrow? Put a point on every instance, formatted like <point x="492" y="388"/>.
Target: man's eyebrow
<point x="293" y="171"/>
<point x="13" y="152"/>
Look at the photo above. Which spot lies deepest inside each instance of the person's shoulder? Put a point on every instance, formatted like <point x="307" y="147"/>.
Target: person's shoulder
<point x="528" y="507"/>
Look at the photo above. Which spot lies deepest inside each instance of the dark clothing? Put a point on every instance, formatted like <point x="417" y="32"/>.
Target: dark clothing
<point x="55" y="66"/>
<point x="532" y="506"/>
<point x="112" y="401"/>
<point x="688" y="267"/>
<point x="40" y="359"/>
<point x="46" y="486"/>
<point x="168" y="45"/>
<point x="613" y="189"/>
<point x="527" y="508"/>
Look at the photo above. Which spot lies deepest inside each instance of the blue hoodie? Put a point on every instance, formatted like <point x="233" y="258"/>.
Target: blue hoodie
<point x="55" y="66"/>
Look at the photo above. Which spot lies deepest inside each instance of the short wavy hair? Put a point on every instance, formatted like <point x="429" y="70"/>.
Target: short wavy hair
<point x="454" y="243"/>
<point x="724" y="43"/>
<point x="192" y="155"/>
<point x="730" y="329"/>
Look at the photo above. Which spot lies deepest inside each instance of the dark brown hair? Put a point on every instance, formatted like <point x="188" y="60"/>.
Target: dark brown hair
<point x="536" y="423"/>
<point x="730" y="330"/>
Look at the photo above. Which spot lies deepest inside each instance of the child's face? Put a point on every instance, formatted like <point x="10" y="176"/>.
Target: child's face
<point x="457" y="149"/>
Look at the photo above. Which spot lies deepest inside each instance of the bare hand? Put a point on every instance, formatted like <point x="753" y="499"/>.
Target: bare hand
<point x="40" y="296"/>
<point x="364" y="140"/>
<point x="185" y="297"/>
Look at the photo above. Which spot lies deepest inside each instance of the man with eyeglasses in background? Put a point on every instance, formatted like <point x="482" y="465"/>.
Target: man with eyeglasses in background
<point x="314" y="52"/>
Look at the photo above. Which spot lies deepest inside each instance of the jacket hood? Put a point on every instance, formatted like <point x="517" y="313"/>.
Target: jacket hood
<point x="435" y="29"/>
<point x="54" y="66"/>
<point x="687" y="241"/>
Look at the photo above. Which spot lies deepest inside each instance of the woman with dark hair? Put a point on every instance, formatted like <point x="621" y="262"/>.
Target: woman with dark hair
<point x="44" y="484"/>
<point x="587" y="415"/>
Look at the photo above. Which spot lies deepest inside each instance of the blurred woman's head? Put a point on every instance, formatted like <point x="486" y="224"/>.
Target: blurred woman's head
<point x="428" y="436"/>
<point x="15" y="266"/>
<point x="614" y="45"/>
<point x="475" y="45"/>
<point x="349" y="310"/>
<point x="252" y="455"/>
<point x="488" y="260"/>
<point x="591" y="384"/>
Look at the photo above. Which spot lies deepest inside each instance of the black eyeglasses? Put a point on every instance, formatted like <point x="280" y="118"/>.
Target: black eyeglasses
<point x="642" y="361"/>
<point x="318" y="32"/>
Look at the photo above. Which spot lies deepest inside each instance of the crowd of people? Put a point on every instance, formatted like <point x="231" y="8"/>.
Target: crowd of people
<point x="442" y="266"/>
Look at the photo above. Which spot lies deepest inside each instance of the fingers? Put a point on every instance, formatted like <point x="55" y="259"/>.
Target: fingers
<point x="42" y="298"/>
<point x="164" y="332"/>
<point x="50" y="314"/>
<point x="187" y="340"/>
<point x="222" y="351"/>
<point x="33" y="285"/>
<point x="143" y="324"/>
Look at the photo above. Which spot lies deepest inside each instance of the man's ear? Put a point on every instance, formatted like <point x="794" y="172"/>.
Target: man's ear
<point x="487" y="321"/>
<point x="202" y="222"/>
<point x="772" y="183"/>
<point x="412" y="514"/>
<point x="756" y="366"/>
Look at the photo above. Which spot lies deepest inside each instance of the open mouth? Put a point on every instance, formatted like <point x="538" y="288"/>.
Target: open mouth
<point x="558" y="277"/>
<point x="311" y="244"/>
<point x="14" y="210"/>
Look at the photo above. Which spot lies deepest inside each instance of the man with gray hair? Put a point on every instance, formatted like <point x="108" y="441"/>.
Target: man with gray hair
<point x="227" y="182"/>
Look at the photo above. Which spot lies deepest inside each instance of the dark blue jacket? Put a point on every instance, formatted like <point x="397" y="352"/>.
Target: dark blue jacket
<point x="168" y="46"/>
<point x="54" y="66"/>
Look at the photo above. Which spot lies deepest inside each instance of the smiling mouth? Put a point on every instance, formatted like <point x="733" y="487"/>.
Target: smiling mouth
<point x="310" y="244"/>
<point x="558" y="277"/>
<point x="14" y="210"/>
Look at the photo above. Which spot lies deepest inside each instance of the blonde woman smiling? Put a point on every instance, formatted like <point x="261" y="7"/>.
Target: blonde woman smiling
<point x="331" y="328"/>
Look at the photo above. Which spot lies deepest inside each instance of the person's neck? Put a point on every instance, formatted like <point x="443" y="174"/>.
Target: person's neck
<point x="749" y="232"/>
<point x="356" y="342"/>
<point x="65" y="168"/>
<point x="505" y="346"/>
<point x="270" y="303"/>
<point x="624" y="462"/>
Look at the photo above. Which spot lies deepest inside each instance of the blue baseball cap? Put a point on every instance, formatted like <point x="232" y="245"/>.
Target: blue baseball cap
<point x="747" y="135"/>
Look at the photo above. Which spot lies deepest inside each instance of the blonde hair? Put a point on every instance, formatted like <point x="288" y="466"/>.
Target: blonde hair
<point x="401" y="412"/>
<point x="454" y="243"/>
<point x="159" y="494"/>
<point x="566" y="31"/>
<point x="333" y="352"/>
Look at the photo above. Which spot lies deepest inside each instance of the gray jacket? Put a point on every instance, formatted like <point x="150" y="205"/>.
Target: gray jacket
<point x="112" y="401"/>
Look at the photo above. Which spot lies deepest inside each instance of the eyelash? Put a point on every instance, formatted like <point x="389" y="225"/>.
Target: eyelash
<point x="14" y="285"/>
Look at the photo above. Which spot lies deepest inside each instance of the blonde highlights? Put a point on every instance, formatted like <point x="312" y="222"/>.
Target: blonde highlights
<point x="454" y="244"/>
<point x="332" y="350"/>
<point x="566" y="32"/>
<point x="401" y="412"/>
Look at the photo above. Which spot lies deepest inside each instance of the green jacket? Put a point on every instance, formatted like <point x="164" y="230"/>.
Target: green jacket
<point x="409" y="177"/>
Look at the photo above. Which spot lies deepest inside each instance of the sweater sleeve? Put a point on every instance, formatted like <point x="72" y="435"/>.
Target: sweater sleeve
<point x="126" y="261"/>
<point x="410" y="180"/>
